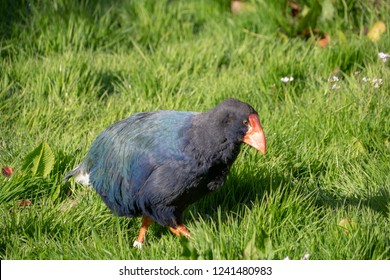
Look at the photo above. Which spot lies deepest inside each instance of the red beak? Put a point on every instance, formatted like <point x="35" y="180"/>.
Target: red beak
<point x="255" y="136"/>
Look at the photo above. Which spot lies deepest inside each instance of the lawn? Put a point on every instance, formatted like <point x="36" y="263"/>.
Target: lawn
<point x="69" y="70"/>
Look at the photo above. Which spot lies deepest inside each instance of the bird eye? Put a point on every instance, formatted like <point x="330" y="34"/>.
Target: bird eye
<point x="246" y="123"/>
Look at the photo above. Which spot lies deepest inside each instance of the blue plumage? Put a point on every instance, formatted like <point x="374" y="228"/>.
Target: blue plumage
<point x="123" y="158"/>
<point x="155" y="164"/>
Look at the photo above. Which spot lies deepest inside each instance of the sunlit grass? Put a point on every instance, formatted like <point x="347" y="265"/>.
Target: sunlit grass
<point x="67" y="71"/>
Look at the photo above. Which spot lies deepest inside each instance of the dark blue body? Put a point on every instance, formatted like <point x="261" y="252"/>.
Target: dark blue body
<point x="148" y="165"/>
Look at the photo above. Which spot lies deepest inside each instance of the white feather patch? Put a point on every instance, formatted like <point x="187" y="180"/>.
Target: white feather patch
<point x="82" y="178"/>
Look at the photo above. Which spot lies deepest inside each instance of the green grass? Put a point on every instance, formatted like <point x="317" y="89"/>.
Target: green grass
<point x="69" y="70"/>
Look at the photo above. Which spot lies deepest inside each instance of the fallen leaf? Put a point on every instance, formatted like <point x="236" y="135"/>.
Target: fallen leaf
<point x="347" y="225"/>
<point x="24" y="202"/>
<point x="238" y="7"/>
<point x="324" y="40"/>
<point x="295" y="8"/>
<point x="7" y="171"/>
<point x="376" y="31"/>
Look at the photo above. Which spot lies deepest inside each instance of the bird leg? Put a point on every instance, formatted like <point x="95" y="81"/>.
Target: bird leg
<point x="146" y="222"/>
<point x="180" y="230"/>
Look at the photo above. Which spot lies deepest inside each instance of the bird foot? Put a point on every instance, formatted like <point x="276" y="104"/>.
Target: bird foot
<point x="180" y="230"/>
<point x="138" y="244"/>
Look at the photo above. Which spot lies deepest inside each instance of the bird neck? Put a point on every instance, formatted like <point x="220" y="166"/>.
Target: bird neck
<point x="209" y="142"/>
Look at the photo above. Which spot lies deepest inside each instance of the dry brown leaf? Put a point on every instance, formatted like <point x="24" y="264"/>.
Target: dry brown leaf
<point x="238" y="7"/>
<point x="7" y="171"/>
<point x="295" y="8"/>
<point x="24" y="202"/>
<point x="324" y="40"/>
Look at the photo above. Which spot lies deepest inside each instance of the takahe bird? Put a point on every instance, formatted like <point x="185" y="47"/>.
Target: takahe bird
<point x="155" y="164"/>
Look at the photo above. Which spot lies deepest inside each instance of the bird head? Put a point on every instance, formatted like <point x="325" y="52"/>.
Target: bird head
<point x="241" y="123"/>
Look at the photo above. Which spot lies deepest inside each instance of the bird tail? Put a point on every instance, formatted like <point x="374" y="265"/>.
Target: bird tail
<point x="79" y="173"/>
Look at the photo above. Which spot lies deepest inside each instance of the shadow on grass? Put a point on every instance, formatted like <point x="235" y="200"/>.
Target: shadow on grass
<point x="378" y="202"/>
<point x="246" y="189"/>
<point x="12" y="12"/>
<point x="106" y="82"/>
<point x="242" y="189"/>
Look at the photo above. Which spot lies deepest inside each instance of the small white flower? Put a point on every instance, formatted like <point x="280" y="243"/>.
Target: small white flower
<point x="333" y="79"/>
<point x="287" y="79"/>
<point x="335" y="86"/>
<point x="384" y="56"/>
<point x="376" y="82"/>
<point x="306" y="257"/>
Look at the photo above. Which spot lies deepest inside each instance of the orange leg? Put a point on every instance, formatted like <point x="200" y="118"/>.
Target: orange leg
<point x="180" y="230"/>
<point x="146" y="222"/>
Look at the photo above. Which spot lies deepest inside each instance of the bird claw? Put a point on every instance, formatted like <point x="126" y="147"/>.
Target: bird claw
<point x="138" y="244"/>
<point x="180" y="230"/>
